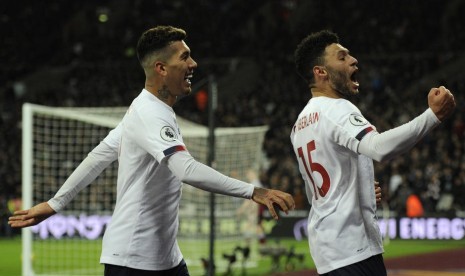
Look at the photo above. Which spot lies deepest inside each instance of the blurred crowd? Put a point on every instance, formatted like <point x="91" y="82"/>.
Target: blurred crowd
<point x="82" y="53"/>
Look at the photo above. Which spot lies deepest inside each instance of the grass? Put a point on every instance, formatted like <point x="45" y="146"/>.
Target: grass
<point x="10" y="255"/>
<point x="399" y="248"/>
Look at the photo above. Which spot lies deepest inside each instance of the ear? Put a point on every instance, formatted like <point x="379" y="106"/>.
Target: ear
<point x="320" y="72"/>
<point x="160" y="68"/>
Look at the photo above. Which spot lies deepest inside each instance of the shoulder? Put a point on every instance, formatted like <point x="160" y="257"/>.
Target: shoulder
<point x="148" y="118"/>
<point x="146" y="102"/>
<point x="341" y="110"/>
<point x="146" y="107"/>
<point x="342" y="106"/>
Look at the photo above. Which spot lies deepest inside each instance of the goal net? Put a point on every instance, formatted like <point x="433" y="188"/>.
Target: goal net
<point x="57" y="139"/>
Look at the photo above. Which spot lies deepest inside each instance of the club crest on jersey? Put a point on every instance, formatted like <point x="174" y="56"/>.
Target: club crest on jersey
<point x="357" y="120"/>
<point x="167" y="133"/>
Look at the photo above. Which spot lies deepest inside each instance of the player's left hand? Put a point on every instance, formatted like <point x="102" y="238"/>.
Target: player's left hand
<point x="377" y="193"/>
<point x="270" y="198"/>
<point x="442" y="102"/>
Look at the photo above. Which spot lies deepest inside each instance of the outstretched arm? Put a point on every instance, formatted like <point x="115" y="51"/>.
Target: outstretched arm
<point x="391" y="143"/>
<point x="82" y="176"/>
<point x="31" y="217"/>
<point x="194" y="173"/>
<point x="97" y="160"/>
<point x="273" y="198"/>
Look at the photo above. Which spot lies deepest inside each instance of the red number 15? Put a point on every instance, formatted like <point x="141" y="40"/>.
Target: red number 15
<point x="315" y="167"/>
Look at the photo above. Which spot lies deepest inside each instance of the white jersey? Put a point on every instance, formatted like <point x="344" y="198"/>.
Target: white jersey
<point x="143" y="229"/>
<point x="144" y="225"/>
<point x="342" y="224"/>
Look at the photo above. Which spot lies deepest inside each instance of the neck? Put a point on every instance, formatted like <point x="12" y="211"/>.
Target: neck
<point x="161" y="92"/>
<point x="319" y="92"/>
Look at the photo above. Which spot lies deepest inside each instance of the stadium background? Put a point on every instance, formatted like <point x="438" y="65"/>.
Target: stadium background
<point x="81" y="53"/>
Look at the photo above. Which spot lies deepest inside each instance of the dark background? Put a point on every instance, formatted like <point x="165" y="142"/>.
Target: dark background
<point x="81" y="53"/>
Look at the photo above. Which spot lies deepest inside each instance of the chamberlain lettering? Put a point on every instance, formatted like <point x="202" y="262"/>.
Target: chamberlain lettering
<point x="310" y="119"/>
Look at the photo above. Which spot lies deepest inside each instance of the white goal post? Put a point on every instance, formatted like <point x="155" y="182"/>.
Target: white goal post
<point x="56" y="139"/>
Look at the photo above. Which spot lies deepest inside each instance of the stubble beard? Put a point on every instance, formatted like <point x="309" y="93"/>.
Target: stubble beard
<point x="340" y="83"/>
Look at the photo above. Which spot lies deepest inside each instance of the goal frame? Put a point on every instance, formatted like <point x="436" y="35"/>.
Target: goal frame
<point x="191" y="129"/>
<point x="27" y="165"/>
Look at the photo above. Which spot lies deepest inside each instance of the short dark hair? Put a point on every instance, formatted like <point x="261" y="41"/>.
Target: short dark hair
<point x="157" y="38"/>
<point x="310" y="52"/>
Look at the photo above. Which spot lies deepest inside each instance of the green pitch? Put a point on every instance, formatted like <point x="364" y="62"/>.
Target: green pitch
<point x="10" y="256"/>
<point x="78" y="253"/>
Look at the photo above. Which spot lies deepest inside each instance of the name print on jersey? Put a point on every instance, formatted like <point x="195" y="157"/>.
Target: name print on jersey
<point x="310" y="119"/>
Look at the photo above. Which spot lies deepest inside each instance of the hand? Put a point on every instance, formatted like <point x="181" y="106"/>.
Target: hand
<point x="30" y="217"/>
<point x="441" y="101"/>
<point x="377" y="193"/>
<point x="267" y="197"/>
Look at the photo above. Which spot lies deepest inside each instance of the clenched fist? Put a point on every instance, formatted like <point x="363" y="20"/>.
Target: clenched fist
<point x="442" y="102"/>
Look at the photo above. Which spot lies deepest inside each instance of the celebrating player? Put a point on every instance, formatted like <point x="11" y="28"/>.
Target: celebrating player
<point x="153" y="163"/>
<point x="335" y="146"/>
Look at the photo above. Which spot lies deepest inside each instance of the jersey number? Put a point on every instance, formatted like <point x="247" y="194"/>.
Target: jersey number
<point x="315" y="167"/>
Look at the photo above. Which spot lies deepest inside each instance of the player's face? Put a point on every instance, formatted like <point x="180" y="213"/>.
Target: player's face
<point x="180" y="68"/>
<point x="342" y="70"/>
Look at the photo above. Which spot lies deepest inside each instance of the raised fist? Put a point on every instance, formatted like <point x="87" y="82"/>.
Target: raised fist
<point x="441" y="101"/>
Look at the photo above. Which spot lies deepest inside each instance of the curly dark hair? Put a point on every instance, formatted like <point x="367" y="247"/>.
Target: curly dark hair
<point x="310" y="52"/>
<point x="157" y="38"/>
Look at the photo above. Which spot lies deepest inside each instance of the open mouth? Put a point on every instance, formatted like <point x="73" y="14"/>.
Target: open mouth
<point x="354" y="78"/>
<point x="188" y="78"/>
